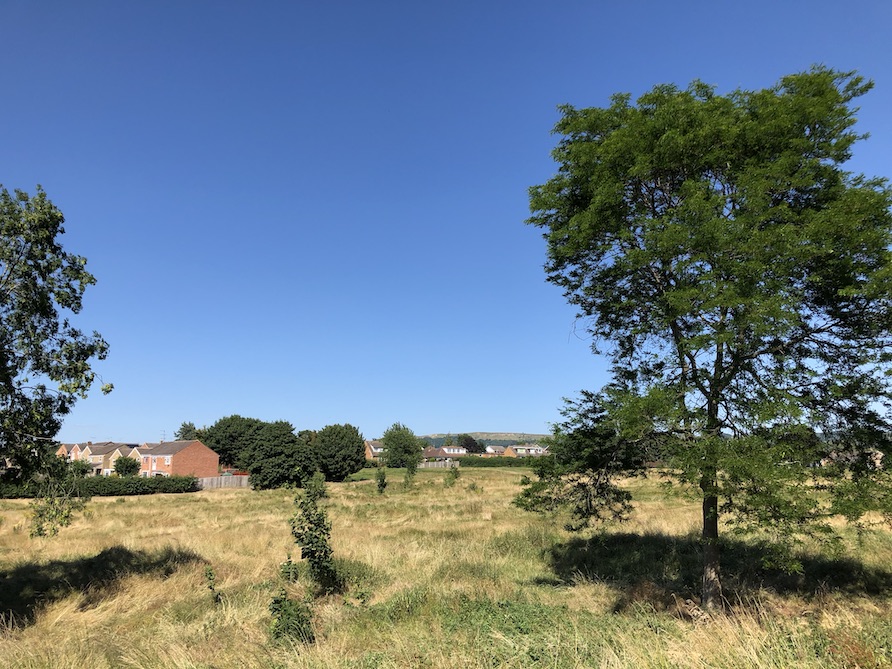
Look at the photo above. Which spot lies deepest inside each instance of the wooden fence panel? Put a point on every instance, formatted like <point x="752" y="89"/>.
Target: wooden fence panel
<point x="211" y="482"/>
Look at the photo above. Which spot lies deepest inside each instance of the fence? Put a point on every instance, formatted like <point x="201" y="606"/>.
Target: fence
<point x="438" y="464"/>
<point x="223" y="482"/>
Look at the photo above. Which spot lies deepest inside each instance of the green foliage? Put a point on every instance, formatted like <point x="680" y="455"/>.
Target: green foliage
<point x="470" y="444"/>
<point x="340" y="450"/>
<point x="45" y="365"/>
<point x="497" y="461"/>
<point x="97" y="486"/>
<point x="54" y="505"/>
<point x="289" y="570"/>
<point x="312" y="533"/>
<point x="80" y="468"/>
<point x="188" y="432"/>
<point x="233" y="438"/>
<point x="381" y="479"/>
<point x="291" y="620"/>
<point x="126" y="466"/>
<point x="401" y="447"/>
<point x="452" y="475"/>
<point x="587" y="455"/>
<point x="210" y="580"/>
<point x="743" y="280"/>
<point x="273" y="457"/>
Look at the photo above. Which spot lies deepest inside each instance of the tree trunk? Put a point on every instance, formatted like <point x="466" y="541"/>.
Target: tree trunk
<point x="712" y="584"/>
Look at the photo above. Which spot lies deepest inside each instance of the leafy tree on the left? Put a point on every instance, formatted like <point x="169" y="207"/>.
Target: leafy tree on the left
<point x="45" y="361"/>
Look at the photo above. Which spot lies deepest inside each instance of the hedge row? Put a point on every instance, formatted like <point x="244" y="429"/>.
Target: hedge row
<point x="498" y="461"/>
<point x="111" y="486"/>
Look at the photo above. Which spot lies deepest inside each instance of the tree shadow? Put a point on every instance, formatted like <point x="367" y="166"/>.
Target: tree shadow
<point x="659" y="569"/>
<point x="27" y="587"/>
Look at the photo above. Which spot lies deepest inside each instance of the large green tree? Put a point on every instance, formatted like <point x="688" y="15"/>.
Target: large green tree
<point x="233" y="438"/>
<point x="401" y="447"/>
<point x="739" y="278"/>
<point x="340" y="450"/>
<point x="45" y="361"/>
<point x="274" y="456"/>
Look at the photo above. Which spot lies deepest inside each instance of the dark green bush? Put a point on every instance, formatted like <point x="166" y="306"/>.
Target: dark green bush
<point x="475" y="461"/>
<point x="108" y="486"/>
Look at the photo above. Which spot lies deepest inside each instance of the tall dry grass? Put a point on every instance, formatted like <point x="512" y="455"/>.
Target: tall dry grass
<point x="438" y="577"/>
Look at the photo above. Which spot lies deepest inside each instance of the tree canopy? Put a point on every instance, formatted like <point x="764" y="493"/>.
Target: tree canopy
<point x="340" y="451"/>
<point x="126" y="466"/>
<point x="401" y="447"/>
<point x="233" y="438"/>
<point x="739" y="278"/>
<point x="274" y="456"/>
<point x="45" y="361"/>
<point x="187" y="432"/>
<point x="470" y="444"/>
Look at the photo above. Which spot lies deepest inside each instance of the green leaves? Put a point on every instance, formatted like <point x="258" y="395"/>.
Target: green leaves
<point x="741" y="277"/>
<point x="45" y="362"/>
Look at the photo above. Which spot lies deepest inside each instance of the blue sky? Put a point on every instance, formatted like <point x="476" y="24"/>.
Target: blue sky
<point x="315" y="211"/>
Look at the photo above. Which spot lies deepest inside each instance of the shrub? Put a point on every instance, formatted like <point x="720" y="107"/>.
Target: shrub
<point x="381" y="479"/>
<point x="499" y="461"/>
<point x="452" y="475"/>
<point x="106" y="486"/>
<point x="291" y="619"/>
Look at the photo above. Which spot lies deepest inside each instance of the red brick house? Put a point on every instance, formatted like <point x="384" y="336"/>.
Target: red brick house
<point x="176" y="458"/>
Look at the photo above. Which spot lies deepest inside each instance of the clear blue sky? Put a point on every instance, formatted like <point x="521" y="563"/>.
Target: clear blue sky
<point x="315" y="211"/>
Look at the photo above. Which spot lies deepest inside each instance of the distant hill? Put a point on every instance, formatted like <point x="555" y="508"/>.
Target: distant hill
<point x="491" y="438"/>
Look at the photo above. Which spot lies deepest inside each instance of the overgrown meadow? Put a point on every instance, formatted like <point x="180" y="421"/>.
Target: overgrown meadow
<point x="443" y="574"/>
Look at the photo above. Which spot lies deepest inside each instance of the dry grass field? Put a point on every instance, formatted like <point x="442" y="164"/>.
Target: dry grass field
<point x="438" y="577"/>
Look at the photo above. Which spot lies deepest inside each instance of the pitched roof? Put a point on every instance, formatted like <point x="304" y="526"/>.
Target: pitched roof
<point x="106" y="447"/>
<point x="166" y="447"/>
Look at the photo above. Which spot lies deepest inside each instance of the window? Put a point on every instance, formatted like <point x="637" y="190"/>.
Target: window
<point x="166" y="459"/>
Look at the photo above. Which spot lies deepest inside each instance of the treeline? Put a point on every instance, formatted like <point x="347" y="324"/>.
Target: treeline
<point x="466" y="441"/>
<point x="275" y="455"/>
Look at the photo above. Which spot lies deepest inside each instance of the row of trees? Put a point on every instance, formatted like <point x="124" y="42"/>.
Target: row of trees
<point x="275" y="455"/>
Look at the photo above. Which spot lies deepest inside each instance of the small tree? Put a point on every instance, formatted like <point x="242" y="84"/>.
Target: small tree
<point x="126" y="466"/>
<point x="381" y="478"/>
<point x="79" y="469"/>
<point x="312" y="533"/>
<point x="401" y="447"/>
<point x="340" y="450"/>
<point x="452" y="475"/>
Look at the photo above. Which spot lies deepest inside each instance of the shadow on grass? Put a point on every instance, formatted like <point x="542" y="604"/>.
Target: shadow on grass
<point x="27" y="587"/>
<point x="654" y="568"/>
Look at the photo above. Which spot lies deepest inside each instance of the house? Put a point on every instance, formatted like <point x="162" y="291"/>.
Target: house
<point x="525" y="451"/>
<point x="176" y="458"/>
<point x="69" y="451"/>
<point x="493" y="451"/>
<point x="374" y="450"/>
<point x="443" y="452"/>
<point x="101" y="456"/>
